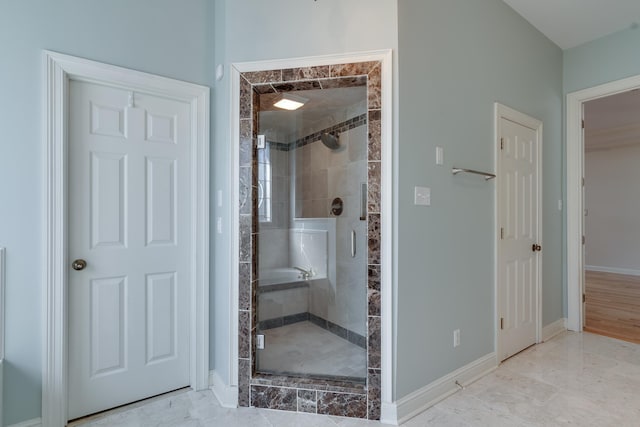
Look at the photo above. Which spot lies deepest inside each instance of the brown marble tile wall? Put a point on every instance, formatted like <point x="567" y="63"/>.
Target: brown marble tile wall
<point x="375" y="135"/>
<point x="374" y="342"/>
<point x="341" y="404"/>
<point x="374" y="290"/>
<point x="308" y="401"/>
<point x="374" y="394"/>
<point x="245" y="99"/>
<point x="294" y="393"/>
<point x="373" y="87"/>
<point x="268" y="76"/>
<point x="305" y="73"/>
<point x="374" y="238"/>
<point x="352" y="69"/>
<point x="373" y="188"/>
<point x="244" y="379"/>
<point x="284" y="399"/>
<point x="374" y="197"/>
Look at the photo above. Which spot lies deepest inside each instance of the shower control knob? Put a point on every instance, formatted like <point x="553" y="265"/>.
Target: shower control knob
<point x="337" y="205"/>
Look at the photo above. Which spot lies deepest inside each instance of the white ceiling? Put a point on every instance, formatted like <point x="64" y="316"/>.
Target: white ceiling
<point x="569" y="23"/>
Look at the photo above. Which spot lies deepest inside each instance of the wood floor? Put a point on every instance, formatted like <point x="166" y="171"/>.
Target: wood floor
<point x="612" y="306"/>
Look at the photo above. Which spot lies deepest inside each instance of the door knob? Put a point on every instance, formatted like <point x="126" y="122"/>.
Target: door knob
<point x="536" y="248"/>
<point x="79" y="264"/>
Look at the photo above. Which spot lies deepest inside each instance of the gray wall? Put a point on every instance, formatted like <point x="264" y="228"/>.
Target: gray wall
<point x="253" y="30"/>
<point x="604" y="60"/>
<point x="612" y="198"/>
<point x="167" y="37"/>
<point x="456" y="57"/>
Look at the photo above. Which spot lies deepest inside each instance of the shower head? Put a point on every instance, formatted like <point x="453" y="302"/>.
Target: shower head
<point x="330" y="141"/>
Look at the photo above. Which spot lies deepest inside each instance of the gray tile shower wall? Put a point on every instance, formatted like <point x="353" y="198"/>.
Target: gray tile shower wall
<point x="291" y="393"/>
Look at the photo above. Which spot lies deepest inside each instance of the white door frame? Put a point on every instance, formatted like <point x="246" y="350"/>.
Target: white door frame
<point x="502" y="111"/>
<point x="59" y="69"/>
<point x="387" y="254"/>
<point x="575" y="173"/>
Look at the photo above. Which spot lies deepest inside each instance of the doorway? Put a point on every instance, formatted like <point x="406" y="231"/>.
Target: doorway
<point x="363" y="398"/>
<point x="611" y="227"/>
<point x="519" y="219"/>
<point x="312" y="223"/>
<point x="575" y="197"/>
<point x="62" y="72"/>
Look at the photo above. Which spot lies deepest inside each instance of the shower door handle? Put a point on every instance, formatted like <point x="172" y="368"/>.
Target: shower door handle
<point x="353" y="243"/>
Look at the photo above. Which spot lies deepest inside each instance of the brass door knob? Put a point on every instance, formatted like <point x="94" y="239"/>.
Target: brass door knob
<point x="79" y="264"/>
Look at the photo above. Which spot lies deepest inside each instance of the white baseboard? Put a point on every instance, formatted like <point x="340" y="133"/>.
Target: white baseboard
<point x="627" y="271"/>
<point x="553" y="329"/>
<point x="413" y="404"/>
<point x="389" y="413"/>
<point x="227" y="395"/>
<point x="36" y="422"/>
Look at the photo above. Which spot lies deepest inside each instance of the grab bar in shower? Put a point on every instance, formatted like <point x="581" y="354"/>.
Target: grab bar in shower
<point x="487" y="176"/>
<point x="353" y="243"/>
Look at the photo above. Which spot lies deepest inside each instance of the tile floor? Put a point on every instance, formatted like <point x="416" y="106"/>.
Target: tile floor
<point x="574" y="379"/>
<point x="305" y="348"/>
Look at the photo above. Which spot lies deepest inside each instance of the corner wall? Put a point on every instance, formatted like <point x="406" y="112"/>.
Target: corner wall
<point x="604" y="60"/>
<point x="456" y="58"/>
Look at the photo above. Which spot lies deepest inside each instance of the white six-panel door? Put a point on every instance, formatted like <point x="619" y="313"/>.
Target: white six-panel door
<point x="129" y="219"/>
<point x="519" y="241"/>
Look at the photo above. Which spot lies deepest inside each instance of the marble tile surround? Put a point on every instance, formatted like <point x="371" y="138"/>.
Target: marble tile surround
<point x="254" y="391"/>
<point x="574" y="379"/>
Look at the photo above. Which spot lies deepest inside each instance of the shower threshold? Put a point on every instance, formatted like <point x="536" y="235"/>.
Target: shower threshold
<point x="319" y="377"/>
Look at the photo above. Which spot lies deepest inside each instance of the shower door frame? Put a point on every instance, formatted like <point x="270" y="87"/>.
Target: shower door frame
<point x="337" y="399"/>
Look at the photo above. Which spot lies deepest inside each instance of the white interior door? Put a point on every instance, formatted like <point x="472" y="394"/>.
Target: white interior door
<point x="519" y="240"/>
<point x="129" y="219"/>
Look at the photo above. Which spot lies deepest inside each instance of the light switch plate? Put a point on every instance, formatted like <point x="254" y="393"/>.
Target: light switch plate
<point x="422" y="196"/>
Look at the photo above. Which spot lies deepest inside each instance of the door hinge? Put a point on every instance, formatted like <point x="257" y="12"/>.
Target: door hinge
<point x="582" y="124"/>
<point x="584" y="239"/>
<point x="584" y="298"/>
<point x="502" y="143"/>
<point x="583" y="182"/>
<point x="260" y="341"/>
<point x="502" y="323"/>
<point x="501" y="233"/>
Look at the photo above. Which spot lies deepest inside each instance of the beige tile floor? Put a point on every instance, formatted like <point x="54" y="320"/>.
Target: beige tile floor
<point x="305" y="348"/>
<point x="574" y="379"/>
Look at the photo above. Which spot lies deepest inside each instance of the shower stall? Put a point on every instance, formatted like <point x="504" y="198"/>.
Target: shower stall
<point x="309" y="215"/>
<point x="311" y="197"/>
